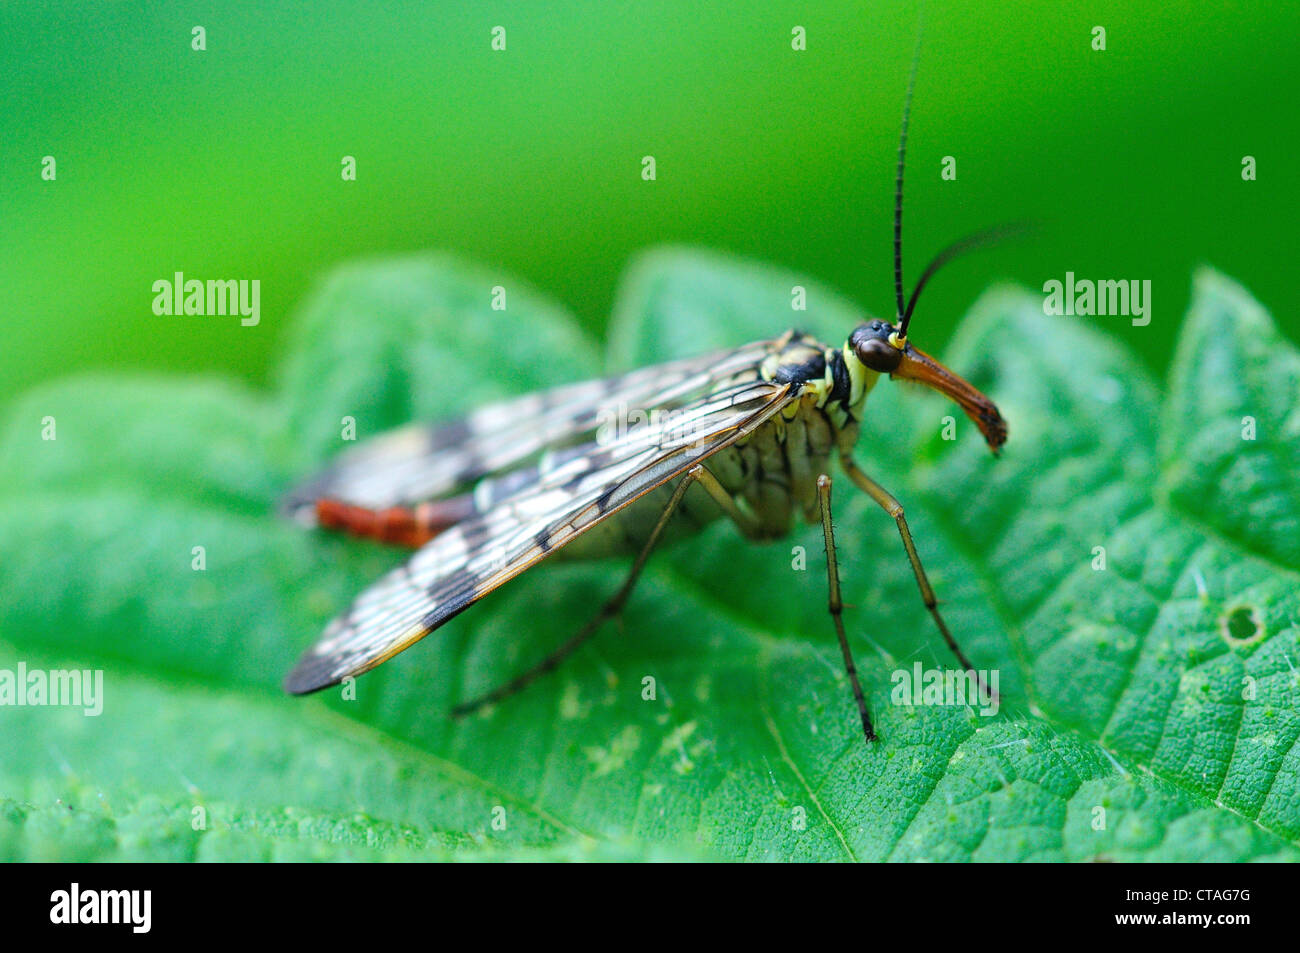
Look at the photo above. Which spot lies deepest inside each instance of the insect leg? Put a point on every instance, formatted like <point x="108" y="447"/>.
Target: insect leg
<point x="747" y="523"/>
<point x="836" y="605"/>
<point x="895" y="509"/>
<point x="607" y="611"/>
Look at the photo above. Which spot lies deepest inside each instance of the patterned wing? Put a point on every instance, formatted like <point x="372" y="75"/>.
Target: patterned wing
<point x="424" y="462"/>
<point x="464" y="563"/>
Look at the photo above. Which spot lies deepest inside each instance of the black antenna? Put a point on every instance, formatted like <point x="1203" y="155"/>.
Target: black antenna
<point x="898" y="191"/>
<point x="987" y="236"/>
<point x="977" y="240"/>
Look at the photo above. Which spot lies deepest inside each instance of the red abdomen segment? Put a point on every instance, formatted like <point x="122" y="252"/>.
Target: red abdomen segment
<point x="410" y="526"/>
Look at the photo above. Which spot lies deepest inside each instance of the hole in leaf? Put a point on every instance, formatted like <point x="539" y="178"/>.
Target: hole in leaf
<point x="1241" y="624"/>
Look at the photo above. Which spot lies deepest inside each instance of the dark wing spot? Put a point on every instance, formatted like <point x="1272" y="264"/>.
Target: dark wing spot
<point x="474" y="533"/>
<point x="448" y="435"/>
<point x="447" y="592"/>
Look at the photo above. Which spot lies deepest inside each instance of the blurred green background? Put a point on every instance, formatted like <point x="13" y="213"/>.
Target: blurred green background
<point x="226" y="163"/>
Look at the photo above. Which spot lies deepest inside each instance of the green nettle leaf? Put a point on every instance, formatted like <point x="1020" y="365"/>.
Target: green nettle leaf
<point x="1128" y="567"/>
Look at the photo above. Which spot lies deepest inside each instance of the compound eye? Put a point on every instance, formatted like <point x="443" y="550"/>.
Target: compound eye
<point x="878" y="354"/>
